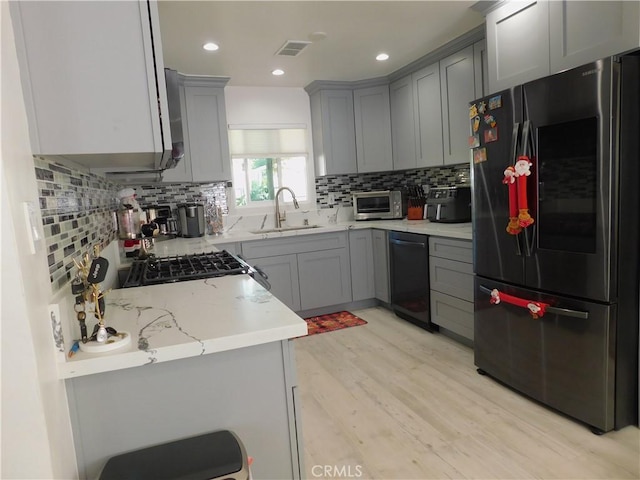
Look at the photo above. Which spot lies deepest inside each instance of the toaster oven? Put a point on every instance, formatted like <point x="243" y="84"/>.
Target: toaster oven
<point x="380" y="205"/>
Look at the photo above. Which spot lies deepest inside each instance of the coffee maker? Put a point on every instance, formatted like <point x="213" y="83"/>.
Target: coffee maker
<point x="191" y="217"/>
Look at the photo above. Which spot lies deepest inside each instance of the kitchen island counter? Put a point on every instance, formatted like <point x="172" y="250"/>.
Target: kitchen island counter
<point x="186" y="319"/>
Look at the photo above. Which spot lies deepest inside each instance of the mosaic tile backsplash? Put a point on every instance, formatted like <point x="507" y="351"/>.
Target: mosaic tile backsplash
<point x="341" y="186"/>
<point x="76" y="205"/>
<point x="76" y="211"/>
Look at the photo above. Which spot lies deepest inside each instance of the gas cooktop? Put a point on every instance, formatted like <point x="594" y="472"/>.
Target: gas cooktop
<point x="155" y="270"/>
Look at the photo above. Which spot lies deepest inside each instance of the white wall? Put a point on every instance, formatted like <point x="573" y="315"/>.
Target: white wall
<point x="35" y="427"/>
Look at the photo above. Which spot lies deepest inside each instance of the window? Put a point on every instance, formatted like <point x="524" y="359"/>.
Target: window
<point x="264" y="160"/>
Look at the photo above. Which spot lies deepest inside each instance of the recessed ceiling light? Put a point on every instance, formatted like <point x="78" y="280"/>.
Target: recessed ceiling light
<point x="210" y="46"/>
<point x="277" y="71"/>
<point x="382" y="57"/>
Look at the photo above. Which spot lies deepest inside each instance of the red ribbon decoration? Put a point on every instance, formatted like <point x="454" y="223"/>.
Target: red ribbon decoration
<point x="513" y="227"/>
<point x="522" y="169"/>
<point x="537" y="309"/>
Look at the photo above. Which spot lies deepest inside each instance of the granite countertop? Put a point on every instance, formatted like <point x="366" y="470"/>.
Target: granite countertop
<point x="180" y="246"/>
<point x="185" y="319"/>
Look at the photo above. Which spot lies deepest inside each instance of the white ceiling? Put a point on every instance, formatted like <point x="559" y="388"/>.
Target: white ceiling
<point x="250" y="32"/>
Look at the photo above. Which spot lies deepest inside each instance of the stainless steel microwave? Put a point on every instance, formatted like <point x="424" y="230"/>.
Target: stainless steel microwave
<point x="380" y="205"/>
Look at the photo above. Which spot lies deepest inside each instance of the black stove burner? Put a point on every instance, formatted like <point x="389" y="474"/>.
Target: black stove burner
<point x="185" y="267"/>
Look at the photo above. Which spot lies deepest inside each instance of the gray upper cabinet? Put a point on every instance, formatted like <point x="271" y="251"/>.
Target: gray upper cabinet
<point x="93" y="81"/>
<point x="517" y="43"/>
<point x="373" y="129"/>
<point x="457" y="85"/>
<point x="333" y="131"/>
<point x="205" y="131"/>
<point x="402" y="124"/>
<point x="529" y="40"/>
<point x="481" y="69"/>
<point x="428" y="116"/>
<point x="581" y="32"/>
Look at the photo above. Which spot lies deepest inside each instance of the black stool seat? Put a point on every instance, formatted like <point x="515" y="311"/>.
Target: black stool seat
<point x="217" y="455"/>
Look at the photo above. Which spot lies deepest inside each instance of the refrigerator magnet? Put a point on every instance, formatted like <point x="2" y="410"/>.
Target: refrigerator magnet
<point x="495" y="102"/>
<point x="482" y="107"/>
<point x="474" y="141"/>
<point x="473" y="111"/>
<point x="480" y="155"/>
<point x="489" y="120"/>
<point x="491" y="135"/>
<point x="476" y="124"/>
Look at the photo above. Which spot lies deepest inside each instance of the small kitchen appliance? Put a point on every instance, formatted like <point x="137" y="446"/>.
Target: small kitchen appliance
<point x="162" y="215"/>
<point x="191" y="216"/>
<point x="379" y="205"/>
<point x="449" y="204"/>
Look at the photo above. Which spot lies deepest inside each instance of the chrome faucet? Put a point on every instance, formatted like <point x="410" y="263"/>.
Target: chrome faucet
<point x="282" y="217"/>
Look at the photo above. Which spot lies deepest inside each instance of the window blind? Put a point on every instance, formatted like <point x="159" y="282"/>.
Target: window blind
<point x="267" y="142"/>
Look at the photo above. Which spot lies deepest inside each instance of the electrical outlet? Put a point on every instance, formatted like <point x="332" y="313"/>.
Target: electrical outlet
<point x="332" y="198"/>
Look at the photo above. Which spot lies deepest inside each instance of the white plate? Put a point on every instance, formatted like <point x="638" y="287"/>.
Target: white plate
<point x="118" y="342"/>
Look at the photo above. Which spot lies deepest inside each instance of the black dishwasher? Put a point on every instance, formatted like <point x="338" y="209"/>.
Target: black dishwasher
<point x="409" y="264"/>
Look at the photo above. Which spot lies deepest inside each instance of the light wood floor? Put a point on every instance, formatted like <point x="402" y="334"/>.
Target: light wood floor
<point x="388" y="400"/>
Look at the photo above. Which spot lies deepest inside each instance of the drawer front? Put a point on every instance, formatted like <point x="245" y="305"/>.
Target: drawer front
<point x="453" y="314"/>
<point x="451" y="277"/>
<point x="295" y="244"/>
<point x="451" y="248"/>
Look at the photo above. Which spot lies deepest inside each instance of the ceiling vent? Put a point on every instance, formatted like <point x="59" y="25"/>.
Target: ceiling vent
<point x="292" y="48"/>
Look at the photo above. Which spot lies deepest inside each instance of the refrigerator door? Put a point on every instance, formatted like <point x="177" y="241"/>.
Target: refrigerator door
<point x="573" y="135"/>
<point x="564" y="359"/>
<point x="496" y="253"/>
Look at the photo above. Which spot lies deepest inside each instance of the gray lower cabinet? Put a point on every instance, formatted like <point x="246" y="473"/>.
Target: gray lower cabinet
<point x="381" y="265"/>
<point x="306" y="271"/>
<point x="325" y="278"/>
<point x="282" y="271"/>
<point x="362" y="265"/>
<point x="250" y="391"/>
<point x="451" y="284"/>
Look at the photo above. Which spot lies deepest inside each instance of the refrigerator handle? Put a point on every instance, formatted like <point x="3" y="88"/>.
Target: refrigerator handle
<point x="526" y="141"/>
<point x="537" y="309"/>
<point x="515" y="137"/>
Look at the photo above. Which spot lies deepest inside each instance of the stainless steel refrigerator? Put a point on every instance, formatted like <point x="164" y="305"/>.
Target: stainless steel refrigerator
<point x="556" y="210"/>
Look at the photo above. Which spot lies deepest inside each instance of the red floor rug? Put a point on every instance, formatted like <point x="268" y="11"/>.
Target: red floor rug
<point x="332" y="321"/>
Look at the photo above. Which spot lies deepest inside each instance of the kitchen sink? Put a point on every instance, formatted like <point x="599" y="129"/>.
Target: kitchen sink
<point x="284" y="229"/>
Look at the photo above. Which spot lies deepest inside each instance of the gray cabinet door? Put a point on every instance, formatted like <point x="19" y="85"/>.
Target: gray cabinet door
<point x="325" y="278"/>
<point x="458" y="89"/>
<point x="373" y="129"/>
<point x="333" y="130"/>
<point x="208" y="140"/>
<point x="91" y="92"/>
<point x="581" y="32"/>
<point x="282" y="271"/>
<point x="428" y="116"/>
<point x="403" y="134"/>
<point x="381" y="265"/>
<point x="362" y="266"/>
<point x="480" y="69"/>
<point x="517" y="43"/>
